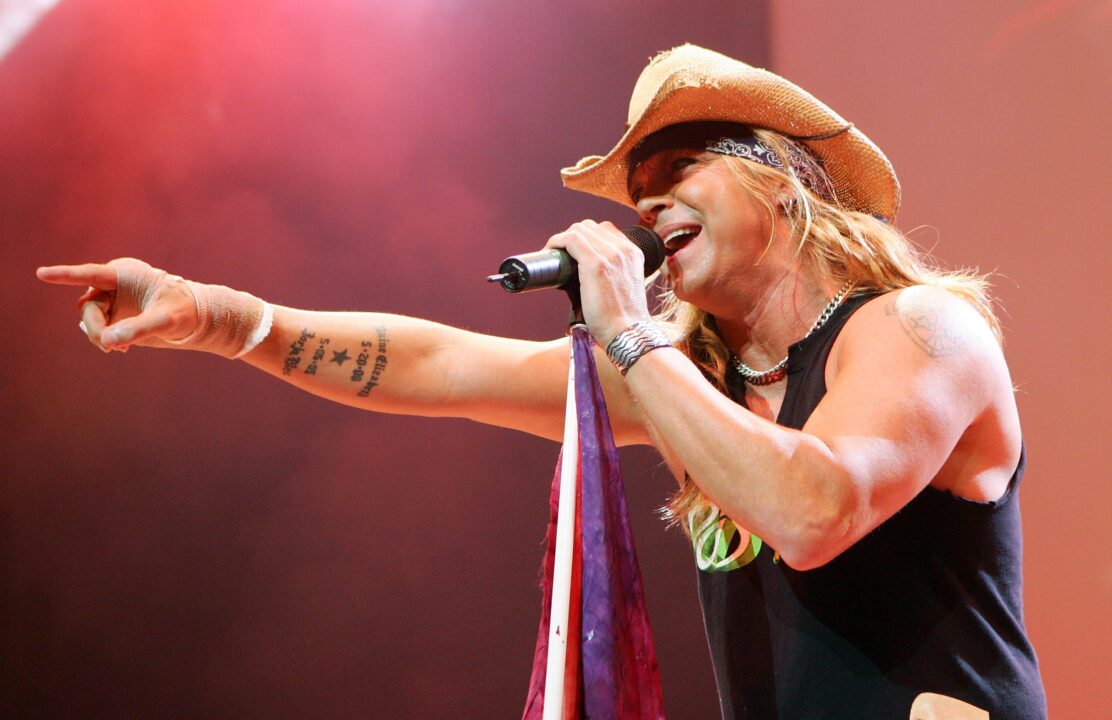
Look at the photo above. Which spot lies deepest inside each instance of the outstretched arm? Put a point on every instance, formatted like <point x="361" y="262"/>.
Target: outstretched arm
<point x="376" y="361"/>
<point x="398" y="364"/>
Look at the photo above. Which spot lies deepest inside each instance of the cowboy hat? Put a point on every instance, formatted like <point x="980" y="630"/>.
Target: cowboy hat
<point x="690" y="84"/>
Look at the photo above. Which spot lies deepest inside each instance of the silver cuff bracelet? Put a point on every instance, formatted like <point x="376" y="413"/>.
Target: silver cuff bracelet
<point x="630" y="344"/>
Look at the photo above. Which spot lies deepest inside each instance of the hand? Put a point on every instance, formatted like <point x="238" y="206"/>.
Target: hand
<point x="128" y="303"/>
<point x="611" y="276"/>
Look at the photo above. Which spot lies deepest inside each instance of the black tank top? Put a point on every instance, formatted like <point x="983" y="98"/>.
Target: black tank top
<point x="929" y="601"/>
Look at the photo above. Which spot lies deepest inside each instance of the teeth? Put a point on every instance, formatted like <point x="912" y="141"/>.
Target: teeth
<point x="692" y="230"/>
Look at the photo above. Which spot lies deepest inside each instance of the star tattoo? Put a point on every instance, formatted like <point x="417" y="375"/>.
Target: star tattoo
<point x="340" y="357"/>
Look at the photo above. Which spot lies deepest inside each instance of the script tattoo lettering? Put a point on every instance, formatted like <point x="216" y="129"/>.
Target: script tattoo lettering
<point x="293" y="358"/>
<point x="364" y="359"/>
<point x="926" y="326"/>
<point x="317" y="357"/>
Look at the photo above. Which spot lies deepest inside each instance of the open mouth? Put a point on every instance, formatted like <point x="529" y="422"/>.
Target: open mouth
<point x="679" y="238"/>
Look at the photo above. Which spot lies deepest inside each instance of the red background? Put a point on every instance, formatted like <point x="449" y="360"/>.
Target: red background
<point x="181" y="536"/>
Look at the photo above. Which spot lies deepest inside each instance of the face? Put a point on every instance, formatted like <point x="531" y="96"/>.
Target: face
<point x="714" y="230"/>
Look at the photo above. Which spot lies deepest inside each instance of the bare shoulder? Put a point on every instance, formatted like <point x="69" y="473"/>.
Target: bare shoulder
<point x="924" y="323"/>
<point x="937" y="321"/>
<point x="933" y="353"/>
<point x="927" y="345"/>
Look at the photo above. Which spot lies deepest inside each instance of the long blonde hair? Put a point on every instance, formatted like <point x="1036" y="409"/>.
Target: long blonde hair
<point x="836" y="244"/>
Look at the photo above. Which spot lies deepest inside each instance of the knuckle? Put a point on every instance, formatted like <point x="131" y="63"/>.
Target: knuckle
<point x="95" y="339"/>
<point x="560" y="240"/>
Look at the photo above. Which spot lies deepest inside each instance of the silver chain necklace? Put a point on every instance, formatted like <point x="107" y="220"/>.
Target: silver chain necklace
<point x="777" y="372"/>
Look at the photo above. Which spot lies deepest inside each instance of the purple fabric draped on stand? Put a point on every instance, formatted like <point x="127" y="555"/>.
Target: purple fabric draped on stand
<point x="619" y="679"/>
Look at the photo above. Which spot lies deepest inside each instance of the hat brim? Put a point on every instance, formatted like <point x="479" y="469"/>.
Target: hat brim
<point x="723" y="89"/>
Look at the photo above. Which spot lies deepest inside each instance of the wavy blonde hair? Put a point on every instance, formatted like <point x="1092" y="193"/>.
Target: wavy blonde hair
<point x="837" y="244"/>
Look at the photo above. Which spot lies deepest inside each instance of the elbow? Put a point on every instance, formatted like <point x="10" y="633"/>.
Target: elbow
<point x="806" y="558"/>
<point x="822" y="528"/>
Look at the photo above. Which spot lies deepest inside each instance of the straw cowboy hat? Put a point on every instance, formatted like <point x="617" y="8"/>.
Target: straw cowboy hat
<point x="690" y="83"/>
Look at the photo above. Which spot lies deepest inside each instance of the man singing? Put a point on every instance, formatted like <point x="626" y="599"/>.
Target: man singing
<point x="836" y="409"/>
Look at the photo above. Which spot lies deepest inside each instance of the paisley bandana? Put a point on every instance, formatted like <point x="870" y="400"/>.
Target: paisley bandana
<point x="738" y="141"/>
<point x="804" y="168"/>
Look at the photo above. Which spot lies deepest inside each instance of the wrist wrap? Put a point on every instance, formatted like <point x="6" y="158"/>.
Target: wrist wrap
<point x="230" y="323"/>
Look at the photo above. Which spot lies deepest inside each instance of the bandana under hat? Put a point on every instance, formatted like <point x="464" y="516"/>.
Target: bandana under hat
<point x="738" y="141"/>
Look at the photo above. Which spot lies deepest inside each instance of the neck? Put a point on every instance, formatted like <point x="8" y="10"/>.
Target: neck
<point x="774" y="314"/>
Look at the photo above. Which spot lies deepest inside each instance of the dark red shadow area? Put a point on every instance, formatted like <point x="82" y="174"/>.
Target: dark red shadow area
<point x="181" y="536"/>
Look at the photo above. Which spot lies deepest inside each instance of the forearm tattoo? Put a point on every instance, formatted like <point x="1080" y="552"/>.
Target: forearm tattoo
<point x="317" y="356"/>
<point x="367" y="366"/>
<point x="363" y="362"/>
<point x="297" y="347"/>
<point x="926" y="326"/>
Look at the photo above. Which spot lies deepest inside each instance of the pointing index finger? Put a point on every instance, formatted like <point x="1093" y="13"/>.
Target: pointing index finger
<point x="94" y="274"/>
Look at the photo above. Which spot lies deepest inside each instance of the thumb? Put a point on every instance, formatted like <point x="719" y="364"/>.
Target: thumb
<point x="154" y="323"/>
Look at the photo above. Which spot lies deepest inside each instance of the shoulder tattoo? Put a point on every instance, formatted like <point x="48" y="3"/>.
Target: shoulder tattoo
<point x="927" y="326"/>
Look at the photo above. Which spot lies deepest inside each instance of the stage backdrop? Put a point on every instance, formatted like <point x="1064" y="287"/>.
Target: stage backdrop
<point x="996" y="115"/>
<point x="183" y="536"/>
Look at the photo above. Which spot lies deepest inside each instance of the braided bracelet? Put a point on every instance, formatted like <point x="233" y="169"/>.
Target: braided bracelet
<point x="631" y="344"/>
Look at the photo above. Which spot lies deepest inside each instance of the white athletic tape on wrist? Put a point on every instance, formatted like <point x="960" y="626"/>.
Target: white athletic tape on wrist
<point x="229" y="322"/>
<point x="261" y="331"/>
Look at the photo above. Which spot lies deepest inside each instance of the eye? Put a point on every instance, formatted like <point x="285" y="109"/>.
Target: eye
<point x="664" y="172"/>
<point x="681" y="162"/>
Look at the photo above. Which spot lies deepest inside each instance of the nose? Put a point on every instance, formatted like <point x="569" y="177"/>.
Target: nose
<point x="650" y="206"/>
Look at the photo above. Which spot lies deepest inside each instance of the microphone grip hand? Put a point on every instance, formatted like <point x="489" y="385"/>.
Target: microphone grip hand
<point x="555" y="268"/>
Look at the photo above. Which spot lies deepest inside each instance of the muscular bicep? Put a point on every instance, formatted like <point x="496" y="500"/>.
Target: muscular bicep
<point x="913" y="372"/>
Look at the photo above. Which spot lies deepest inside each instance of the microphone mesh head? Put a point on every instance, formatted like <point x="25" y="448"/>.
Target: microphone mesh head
<point x="651" y="246"/>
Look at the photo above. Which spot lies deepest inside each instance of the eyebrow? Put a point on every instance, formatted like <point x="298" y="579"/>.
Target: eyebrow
<point x="668" y="156"/>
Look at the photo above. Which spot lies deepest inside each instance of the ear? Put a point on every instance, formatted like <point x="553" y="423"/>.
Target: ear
<point x="783" y="195"/>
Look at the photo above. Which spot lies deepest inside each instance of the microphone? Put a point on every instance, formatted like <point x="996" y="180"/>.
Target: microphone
<point x="555" y="268"/>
